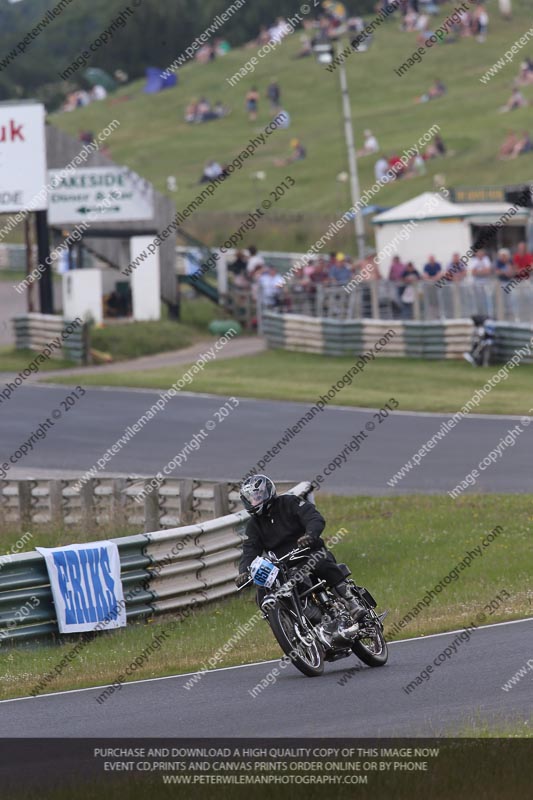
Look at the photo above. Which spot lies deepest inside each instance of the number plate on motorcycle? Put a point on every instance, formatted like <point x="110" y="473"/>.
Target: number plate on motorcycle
<point x="263" y="572"/>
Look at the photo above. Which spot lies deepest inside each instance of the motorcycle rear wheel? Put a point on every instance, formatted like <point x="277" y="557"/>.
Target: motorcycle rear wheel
<point x="308" y="658"/>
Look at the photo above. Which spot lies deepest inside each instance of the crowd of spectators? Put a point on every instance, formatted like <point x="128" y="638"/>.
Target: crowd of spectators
<point x="414" y="167"/>
<point x="203" y="111"/>
<point x="399" y="280"/>
<point x="210" y="51"/>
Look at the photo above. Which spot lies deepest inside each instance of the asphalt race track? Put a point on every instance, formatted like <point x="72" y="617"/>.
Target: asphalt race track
<point x="465" y="689"/>
<point x="84" y="432"/>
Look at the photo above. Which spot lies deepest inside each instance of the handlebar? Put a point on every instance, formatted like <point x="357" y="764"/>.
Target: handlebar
<point x="298" y="552"/>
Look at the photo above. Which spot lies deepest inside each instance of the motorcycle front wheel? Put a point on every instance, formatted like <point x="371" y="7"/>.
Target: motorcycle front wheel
<point x="296" y="642"/>
<point x="372" y="649"/>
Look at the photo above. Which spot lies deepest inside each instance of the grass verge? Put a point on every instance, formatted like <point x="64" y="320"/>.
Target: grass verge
<point x="386" y="536"/>
<point x="12" y="360"/>
<point x="439" y="386"/>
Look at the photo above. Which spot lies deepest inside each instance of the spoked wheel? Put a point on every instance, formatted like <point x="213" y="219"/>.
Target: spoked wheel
<point x="296" y="642"/>
<point x="372" y="649"/>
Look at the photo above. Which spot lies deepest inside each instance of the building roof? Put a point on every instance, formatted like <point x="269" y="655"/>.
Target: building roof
<point x="432" y="205"/>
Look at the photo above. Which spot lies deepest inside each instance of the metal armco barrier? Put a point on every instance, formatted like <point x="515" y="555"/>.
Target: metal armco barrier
<point x="161" y="571"/>
<point x="431" y="340"/>
<point x="34" y="331"/>
<point x="335" y="337"/>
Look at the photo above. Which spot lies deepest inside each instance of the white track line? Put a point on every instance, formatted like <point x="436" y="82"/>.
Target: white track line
<point x="253" y="664"/>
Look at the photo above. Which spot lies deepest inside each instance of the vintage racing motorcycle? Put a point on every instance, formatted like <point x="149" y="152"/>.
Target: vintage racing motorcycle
<point x="309" y="619"/>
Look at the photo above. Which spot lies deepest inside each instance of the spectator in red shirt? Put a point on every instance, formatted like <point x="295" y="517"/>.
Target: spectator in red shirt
<point x="396" y="165"/>
<point x="522" y="261"/>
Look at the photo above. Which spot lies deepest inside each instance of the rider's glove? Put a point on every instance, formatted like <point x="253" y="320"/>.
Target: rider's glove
<point x="305" y="541"/>
<point x="241" y="579"/>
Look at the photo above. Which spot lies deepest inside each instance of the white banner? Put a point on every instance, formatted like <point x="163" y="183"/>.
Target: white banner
<point x="86" y="586"/>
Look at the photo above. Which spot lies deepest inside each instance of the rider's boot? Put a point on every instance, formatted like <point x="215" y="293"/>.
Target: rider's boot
<point x="350" y="601"/>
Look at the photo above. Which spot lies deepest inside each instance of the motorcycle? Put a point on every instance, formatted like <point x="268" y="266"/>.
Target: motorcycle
<point x="309" y="619"/>
<point x="482" y="346"/>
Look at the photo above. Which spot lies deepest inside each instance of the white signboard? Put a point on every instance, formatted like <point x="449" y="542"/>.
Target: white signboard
<point x="86" y="586"/>
<point x="22" y="157"/>
<point x="107" y="194"/>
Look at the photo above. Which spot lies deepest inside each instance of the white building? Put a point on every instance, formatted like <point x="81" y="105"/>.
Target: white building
<point x="443" y="228"/>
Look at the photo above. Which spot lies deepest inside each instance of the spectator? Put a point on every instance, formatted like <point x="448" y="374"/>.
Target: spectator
<point x="370" y="144"/>
<point x="220" y="110"/>
<point x="436" y="148"/>
<point x="482" y="271"/>
<point x="98" y="92"/>
<point x="506" y="9"/>
<point x="212" y="171"/>
<point x="238" y="268"/>
<point x="381" y="169"/>
<point x="340" y="273"/>
<point x="320" y="272"/>
<point x="508" y="146"/>
<point x="522" y="262"/>
<point x="523" y="145"/>
<point x="397" y="269"/>
<point x="517" y="100"/>
<point x="432" y="270"/>
<point x="436" y="90"/>
<point x="456" y="269"/>
<point x="274" y="95"/>
<point x="503" y="267"/>
<point x="396" y="273"/>
<point x="222" y="47"/>
<point x="480" y="267"/>
<point x="87" y="137"/>
<point x="396" y="165"/>
<point x="526" y="72"/>
<point x="279" y="30"/>
<point x="298" y="154"/>
<point x="481" y="23"/>
<point x="270" y="283"/>
<point x="254" y="260"/>
<point x="410" y="278"/>
<point x="252" y="103"/>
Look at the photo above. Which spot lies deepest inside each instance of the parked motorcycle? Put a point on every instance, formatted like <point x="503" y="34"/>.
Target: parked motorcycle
<point x="482" y="346"/>
<point x="310" y="620"/>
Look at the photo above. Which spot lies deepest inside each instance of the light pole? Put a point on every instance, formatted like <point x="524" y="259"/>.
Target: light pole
<point x="325" y="54"/>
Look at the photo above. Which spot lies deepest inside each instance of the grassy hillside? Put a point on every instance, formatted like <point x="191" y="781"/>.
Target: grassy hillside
<point x="154" y="139"/>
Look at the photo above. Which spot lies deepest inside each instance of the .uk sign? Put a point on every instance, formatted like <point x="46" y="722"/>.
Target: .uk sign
<point x="22" y="157"/>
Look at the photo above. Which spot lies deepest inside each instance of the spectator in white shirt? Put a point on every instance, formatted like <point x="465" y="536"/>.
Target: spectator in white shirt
<point x="270" y="282"/>
<point x="254" y="261"/>
<point x="370" y="146"/>
<point x="480" y="266"/>
<point x="381" y="169"/>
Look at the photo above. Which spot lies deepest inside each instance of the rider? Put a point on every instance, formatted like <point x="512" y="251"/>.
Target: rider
<point x="281" y="523"/>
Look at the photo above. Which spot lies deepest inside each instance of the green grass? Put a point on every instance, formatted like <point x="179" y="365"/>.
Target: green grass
<point x="470" y="124"/>
<point x="385" y="535"/>
<point x="439" y="386"/>
<point x="136" y="339"/>
<point x="12" y="360"/>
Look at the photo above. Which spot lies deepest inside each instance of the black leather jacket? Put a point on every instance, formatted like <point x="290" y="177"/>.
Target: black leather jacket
<point x="288" y="518"/>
